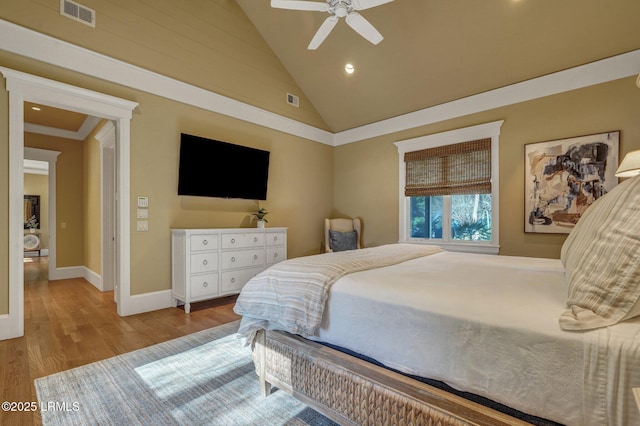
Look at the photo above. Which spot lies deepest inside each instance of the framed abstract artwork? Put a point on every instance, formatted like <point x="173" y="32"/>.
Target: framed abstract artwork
<point x="564" y="177"/>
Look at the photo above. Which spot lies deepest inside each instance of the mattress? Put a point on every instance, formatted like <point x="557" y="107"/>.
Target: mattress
<point x="488" y="325"/>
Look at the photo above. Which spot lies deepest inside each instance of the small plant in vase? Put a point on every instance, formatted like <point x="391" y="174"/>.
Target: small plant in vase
<point x="32" y="224"/>
<point x="259" y="215"/>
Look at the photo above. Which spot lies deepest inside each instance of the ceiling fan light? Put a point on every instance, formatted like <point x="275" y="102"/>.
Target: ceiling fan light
<point x="341" y="10"/>
<point x="337" y="9"/>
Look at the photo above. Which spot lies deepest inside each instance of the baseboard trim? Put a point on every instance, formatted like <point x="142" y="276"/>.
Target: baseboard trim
<point x="138" y="303"/>
<point x="94" y="278"/>
<point x="67" y="272"/>
<point x="147" y="302"/>
<point x="70" y="272"/>
<point x="10" y="328"/>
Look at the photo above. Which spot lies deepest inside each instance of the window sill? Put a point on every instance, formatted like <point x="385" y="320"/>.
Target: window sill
<point x="461" y="247"/>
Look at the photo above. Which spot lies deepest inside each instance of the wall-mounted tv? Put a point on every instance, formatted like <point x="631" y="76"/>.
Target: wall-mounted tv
<point x="211" y="168"/>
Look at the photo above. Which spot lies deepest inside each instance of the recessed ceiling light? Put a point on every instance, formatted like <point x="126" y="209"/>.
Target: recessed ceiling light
<point x="35" y="108"/>
<point x="349" y="68"/>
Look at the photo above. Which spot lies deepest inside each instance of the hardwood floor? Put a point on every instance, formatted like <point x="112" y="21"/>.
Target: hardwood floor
<point x="69" y="323"/>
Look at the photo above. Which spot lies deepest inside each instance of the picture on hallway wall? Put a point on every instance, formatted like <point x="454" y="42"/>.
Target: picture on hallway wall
<point x="564" y="177"/>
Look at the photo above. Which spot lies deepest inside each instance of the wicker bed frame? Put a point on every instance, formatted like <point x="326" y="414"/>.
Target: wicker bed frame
<point x="351" y="391"/>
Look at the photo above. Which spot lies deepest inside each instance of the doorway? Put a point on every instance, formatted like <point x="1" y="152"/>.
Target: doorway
<point x="48" y="157"/>
<point x="28" y="88"/>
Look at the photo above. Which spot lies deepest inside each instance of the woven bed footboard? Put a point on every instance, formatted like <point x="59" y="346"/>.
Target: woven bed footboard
<point x="349" y="390"/>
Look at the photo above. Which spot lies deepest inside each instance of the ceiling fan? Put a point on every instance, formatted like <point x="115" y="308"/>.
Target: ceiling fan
<point x="337" y="9"/>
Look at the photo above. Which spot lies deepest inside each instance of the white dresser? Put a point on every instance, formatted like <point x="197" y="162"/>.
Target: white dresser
<point x="210" y="263"/>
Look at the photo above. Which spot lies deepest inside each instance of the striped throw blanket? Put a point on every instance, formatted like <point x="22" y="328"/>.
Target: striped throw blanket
<point x="292" y="294"/>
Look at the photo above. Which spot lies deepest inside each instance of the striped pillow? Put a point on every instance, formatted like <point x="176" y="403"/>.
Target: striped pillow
<point x="601" y="257"/>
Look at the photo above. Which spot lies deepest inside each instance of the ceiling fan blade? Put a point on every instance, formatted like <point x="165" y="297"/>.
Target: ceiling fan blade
<point x="363" y="27"/>
<point x="314" y="6"/>
<point x="367" y="4"/>
<point x="323" y="32"/>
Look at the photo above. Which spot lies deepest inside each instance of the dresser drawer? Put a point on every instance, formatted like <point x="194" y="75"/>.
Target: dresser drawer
<point x="232" y="281"/>
<point x="204" y="262"/>
<point x="204" y="285"/>
<point x="276" y="254"/>
<point x="276" y="239"/>
<point x="201" y="242"/>
<point x="241" y="259"/>
<point x="242" y="240"/>
<point x="210" y="263"/>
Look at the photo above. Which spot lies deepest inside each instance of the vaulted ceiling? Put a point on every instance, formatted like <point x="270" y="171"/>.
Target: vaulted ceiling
<point x="435" y="51"/>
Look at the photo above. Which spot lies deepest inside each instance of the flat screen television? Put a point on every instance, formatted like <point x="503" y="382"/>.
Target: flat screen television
<point x="211" y="168"/>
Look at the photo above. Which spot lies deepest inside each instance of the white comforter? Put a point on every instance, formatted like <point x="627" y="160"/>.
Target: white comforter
<point x="489" y="325"/>
<point x="292" y="294"/>
<point x="481" y="323"/>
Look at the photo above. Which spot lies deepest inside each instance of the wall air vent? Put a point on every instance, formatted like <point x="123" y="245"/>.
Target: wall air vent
<point x="78" y="12"/>
<point x="293" y="100"/>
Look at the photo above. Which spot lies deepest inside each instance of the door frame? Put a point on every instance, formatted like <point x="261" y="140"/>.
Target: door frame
<point x="23" y="87"/>
<point x="107" y="140"/>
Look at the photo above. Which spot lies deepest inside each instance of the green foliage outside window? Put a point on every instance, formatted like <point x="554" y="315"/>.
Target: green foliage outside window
<point x="470" y="217"/>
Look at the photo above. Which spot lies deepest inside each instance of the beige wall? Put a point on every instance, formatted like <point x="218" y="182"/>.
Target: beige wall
<point x="215" y="47"/>
<point x="299" y="192"/>
<point x="366" y="173"/>
<point x="69" y="202"/>
<point x="36" y="184"/>
<point x="299" y="195"/>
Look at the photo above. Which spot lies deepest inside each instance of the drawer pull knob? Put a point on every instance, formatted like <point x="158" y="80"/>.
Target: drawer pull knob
<point x="204" y="262"/>
<point x="275" y="255"/>
<point x="255" y="239"/>
<point x="233" y="280"/>
<point x="275" y="238"/>
<point x="233" y="259"/>
<point x="205" y="284"/>
<point x="205" y="242"/>
<point x="233" y="241"/>
<point x="255" y="257"/>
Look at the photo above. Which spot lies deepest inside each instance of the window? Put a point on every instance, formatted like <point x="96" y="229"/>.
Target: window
<point x="470" y="217"/>
<point x="447" y="191"/>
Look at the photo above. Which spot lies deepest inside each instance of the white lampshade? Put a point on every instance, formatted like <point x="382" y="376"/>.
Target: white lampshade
<point x="630" y="165"/>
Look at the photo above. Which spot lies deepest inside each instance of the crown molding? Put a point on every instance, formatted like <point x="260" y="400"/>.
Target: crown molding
<point x="81" y="134"/>
<point x="36" y="167"/>
<point x="602" y="71"/>
<point x="34" y="45"/>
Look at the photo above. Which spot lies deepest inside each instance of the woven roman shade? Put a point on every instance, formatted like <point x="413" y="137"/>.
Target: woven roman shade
<point x="462" y="168"/>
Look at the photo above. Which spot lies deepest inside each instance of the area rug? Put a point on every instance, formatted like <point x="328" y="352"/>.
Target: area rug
<point x="206" y="378"/>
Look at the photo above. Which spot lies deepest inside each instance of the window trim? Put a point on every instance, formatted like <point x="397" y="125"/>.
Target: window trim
<point x="487" y="130"/>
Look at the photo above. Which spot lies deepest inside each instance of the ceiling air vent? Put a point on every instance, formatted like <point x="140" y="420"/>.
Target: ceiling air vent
<point x="293" y="100"/>
<point x="78" y="12"/>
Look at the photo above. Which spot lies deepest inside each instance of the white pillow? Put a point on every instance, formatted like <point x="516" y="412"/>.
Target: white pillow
<point x="601" y="257"/>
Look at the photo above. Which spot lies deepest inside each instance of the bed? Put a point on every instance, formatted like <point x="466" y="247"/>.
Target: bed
<point x="556" y="339"/>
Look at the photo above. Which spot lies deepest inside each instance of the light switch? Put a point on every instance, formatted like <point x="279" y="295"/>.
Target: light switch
<point x="142" y="214"/>
<point x="142" y="225"/>
<point x="143" y="202"/>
